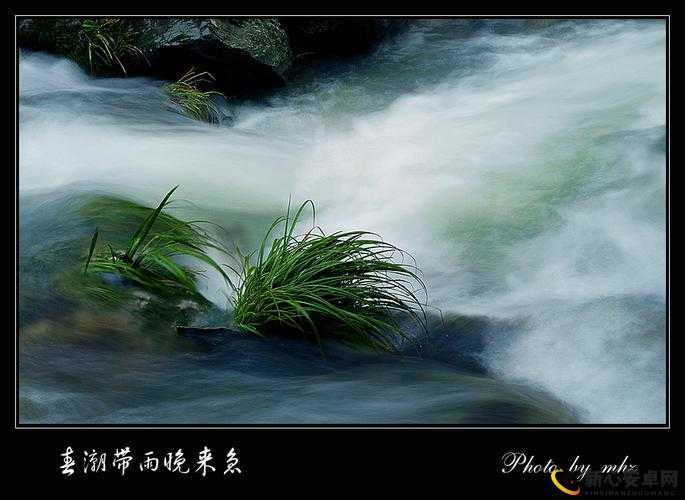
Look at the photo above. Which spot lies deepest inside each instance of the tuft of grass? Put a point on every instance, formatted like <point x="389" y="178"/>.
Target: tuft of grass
<point x="107" y="42"/>
<point x="148" y="260"/>
<point x="187" y="94"/>
<point x="345" y="285"/>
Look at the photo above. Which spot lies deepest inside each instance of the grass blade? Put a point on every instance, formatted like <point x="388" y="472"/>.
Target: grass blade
<point x="145" y="228"/>
<point x="93" y="241"/>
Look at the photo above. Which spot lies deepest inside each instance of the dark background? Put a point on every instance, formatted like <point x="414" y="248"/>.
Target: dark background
<point x="458" y="459"/>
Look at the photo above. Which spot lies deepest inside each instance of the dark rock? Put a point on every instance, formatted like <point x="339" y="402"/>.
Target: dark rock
<point x="65" y="36"/>
<point x="59" y="35"/>
<point x="46" y="33"/>
<point x="337" y="36"/>
<point x="191" y="330"/>
<point x="245" y="55"/>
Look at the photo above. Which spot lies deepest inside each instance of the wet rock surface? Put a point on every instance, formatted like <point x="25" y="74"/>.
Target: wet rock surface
<point x="246" y="56"/>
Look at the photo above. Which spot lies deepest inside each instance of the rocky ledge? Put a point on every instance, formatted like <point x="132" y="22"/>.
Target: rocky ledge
<point x="245" y="55"/>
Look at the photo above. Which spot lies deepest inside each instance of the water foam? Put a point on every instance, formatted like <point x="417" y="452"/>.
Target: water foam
<point x="523" y="169"/>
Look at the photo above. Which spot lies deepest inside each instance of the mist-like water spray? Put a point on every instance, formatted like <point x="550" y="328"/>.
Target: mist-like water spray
<point x="524" y="169"/>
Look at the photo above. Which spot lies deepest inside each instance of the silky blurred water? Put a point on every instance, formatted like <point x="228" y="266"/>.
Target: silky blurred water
<point x="522" y="165"/>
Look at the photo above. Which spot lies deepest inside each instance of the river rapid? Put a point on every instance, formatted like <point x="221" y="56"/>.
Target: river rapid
<point x="523" y="166"/>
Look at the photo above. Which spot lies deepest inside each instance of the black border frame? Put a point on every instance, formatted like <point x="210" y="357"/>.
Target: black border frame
<point x="666" y="425"/>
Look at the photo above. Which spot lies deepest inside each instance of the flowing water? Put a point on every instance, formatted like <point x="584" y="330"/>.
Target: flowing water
<point x="522" y="165"/>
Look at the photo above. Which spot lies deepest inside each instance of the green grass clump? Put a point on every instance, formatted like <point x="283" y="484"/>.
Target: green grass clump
<point x="343" y="285"/>
<point x="148" y="259"/>
<point x="108" y="42"/>
<point x="186" y="92"/>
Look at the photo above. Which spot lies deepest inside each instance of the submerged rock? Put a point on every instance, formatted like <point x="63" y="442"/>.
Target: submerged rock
<point x="54" y="238"/>
<point x="206" y="330"/>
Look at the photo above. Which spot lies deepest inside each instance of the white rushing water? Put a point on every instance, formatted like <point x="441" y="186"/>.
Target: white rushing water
<point x="524" y="169"/>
